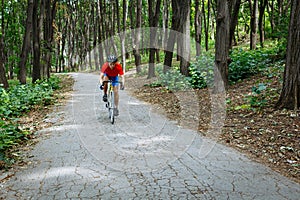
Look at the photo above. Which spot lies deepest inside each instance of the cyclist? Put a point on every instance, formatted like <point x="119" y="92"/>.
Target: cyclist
<point x="112" y="70"/>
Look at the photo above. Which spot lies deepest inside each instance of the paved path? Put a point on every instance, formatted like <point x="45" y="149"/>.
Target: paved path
<point x="142" y="156"/>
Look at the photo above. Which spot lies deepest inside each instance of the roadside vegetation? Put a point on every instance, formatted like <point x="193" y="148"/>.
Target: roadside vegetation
<point x="16" y="103"/>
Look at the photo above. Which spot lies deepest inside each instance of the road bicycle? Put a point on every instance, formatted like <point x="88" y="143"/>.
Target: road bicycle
<point x="110" y="104"/>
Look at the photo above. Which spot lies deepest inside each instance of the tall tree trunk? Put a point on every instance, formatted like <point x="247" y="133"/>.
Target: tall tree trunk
<point x="95" y="34"/>
<point x="262" y="7"/>
<point x="48" y="35"/>
<point x="172" y="35"/>
<point x="36" y="72"/>
<point x="185" y="42"/>
<point x="234" y="13"/>
<point x="198" y="27"/>
<point x="253" y="23"/>
<point x="153" y="21"/>
<point x="3" y="79"/>
<point x="206" y="22"/>
<point x="136" y="49"/>
<point x="221" y="46"/>
<point x="100" y="34"/>
<point x="26" y="44"/>
<point x="290" y="94"/>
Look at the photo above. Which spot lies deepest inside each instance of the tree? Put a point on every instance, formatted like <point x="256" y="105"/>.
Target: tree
<point x="222" y="46"/>
<point x="153" y="22"/>
<point x="253" y="23"/>
<point x="3" y="79"/>
<point x="137" y="36"/>
<point x="26" y="44"/>
<point x="185" y="7"/>
<point x="198" y="27"/>
<point x="36" y="72"/>
<point x="234" y="8"/>
<point x="290" y="94"/>
<point x="262" y="7"/>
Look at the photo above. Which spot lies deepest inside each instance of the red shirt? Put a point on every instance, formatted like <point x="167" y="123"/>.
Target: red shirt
<point x="117" y="70"/>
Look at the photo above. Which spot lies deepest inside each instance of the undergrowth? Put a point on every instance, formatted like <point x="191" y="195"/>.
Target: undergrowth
<point x="16" y="102"/>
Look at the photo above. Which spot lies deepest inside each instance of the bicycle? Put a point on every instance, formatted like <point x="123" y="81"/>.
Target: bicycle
<point x="110" y="104"/>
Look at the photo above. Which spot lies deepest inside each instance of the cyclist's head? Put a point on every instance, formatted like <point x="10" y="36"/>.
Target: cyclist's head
<point x="112" y="58"/>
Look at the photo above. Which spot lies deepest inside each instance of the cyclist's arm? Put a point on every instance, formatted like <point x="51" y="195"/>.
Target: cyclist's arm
<point x="101" y="78"/>
<point x="122" y="77"/>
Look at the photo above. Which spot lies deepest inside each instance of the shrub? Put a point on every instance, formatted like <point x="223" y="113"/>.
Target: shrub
<point x="18" y="100"/>
<point x="247" y="63"/>
<point x="202" y="71"/>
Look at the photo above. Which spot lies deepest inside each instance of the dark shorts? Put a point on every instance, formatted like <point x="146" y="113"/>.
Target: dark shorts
<point x="114" y="79"/>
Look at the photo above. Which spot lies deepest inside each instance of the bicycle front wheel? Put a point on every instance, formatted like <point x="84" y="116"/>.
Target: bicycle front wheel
<point x="112" y="106"/>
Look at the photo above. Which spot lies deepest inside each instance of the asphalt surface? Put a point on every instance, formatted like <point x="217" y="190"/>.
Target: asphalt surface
<point x="142" y="156"/>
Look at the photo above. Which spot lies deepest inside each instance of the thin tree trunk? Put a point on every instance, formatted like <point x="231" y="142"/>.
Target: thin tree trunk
<point x="136" y="49"/>
<point x="262" y="8"/>
<point x="3" y="79"/>
<point x="36" y="72"/>
<point x="253" y="23"/>
<point x="26" y="44"/>
<point x="153" y="21"/>
<point x="185" y="42"/>
<point x="198" y="27"/>
<point x="233" y="20"/>
<point x="222" y="47"/>
<point x="100" y="32"/>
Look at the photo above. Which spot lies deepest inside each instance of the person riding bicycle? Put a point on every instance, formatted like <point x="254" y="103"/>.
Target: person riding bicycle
<point x="112" y="70"/>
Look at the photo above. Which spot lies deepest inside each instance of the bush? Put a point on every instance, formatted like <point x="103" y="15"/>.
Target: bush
<point x="247" y="63"/>
<point x="173" y="80"/>
<point x="18" y="100"/>
<point x="202" y="71"/>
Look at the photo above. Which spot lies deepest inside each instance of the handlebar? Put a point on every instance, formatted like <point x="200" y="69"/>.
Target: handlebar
<point x="110" y="81"/>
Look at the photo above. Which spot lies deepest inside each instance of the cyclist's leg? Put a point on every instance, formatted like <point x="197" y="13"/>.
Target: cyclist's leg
<point x="106" y="78"/>
<point x="116" y="92"/>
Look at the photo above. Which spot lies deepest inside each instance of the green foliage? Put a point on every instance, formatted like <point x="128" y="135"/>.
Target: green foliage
<point x="248" y="63"/>
<point x="173" y="80"/>
<point x="256" y="99"/>
<point x="202" y="71"/>
<point x="18" y="100"/>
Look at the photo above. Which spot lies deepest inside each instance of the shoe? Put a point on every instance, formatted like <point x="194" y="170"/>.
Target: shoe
<point x="116" y="112"/>
<point x="105" y="98"/>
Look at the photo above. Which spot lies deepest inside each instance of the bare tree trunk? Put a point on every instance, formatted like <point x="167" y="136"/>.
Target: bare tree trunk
<point x="3" y="79"/>
<point x="234" y="10"/>
<point x="262" y="8"/>
<point x="222" y="46"/>
<point x="185" y="45"/>
<point x="136" y="49"/>
<point x="26" y="44"/>
<point x="36" y="72"/>
<point x="100" y="32"/>
<point x="253" y="23"/>
<point x="198" y="27"/>
<point x="290" y="94"/>
<point x="48" y="35"/>
<point x="206" y="22"/>
<point x="153" y="21"/>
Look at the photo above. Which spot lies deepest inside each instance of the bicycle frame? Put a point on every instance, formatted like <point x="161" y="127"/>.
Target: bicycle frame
<point x="110" y="104"/>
